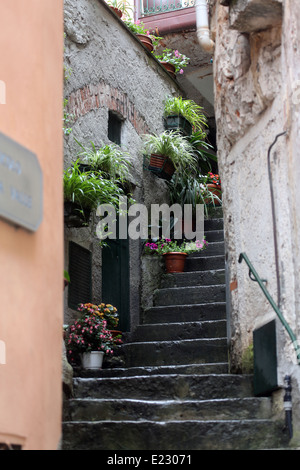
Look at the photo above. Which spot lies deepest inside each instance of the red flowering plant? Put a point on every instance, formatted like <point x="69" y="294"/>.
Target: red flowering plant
<point x="103" y="311"/>
<point x="213" y="179"/>
<point x="86" y="334"/>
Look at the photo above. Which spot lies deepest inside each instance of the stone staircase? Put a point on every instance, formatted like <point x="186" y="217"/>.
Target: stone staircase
<point x="175" y="392"/>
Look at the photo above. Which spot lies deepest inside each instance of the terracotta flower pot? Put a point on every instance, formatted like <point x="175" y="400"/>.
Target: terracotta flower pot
<point x="175" y="261"/>
<point x="146" y="41"/>
<point x="170" y="68"/>
<point x="161" y="166"/>
<point x="117" y="11"/>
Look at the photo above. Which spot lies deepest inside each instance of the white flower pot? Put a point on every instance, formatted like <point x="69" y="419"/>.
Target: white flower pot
<point x="92" y="360"/>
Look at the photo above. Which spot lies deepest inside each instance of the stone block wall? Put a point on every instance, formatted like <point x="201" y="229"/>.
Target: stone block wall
<point x="255" y="73"/>
<point x="108" y="69"/>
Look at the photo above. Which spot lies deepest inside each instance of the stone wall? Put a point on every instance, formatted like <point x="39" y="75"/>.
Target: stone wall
<point x="255" y="71"/>
<point x="108" y="69"/>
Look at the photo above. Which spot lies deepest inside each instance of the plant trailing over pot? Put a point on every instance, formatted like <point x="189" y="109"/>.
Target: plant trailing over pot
<point x="169" y="151"/>
<point x="173" y="57"/>
<point x="83" y="192"/>
<point x="86" y="335"/>
<point x="111" y="160"/>
<point x="174" y="253"/>
<point x="188" y="109"/>
<point x="139" y="29"/>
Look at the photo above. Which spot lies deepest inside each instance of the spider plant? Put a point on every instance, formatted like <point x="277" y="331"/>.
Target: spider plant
<point x="186" y="189"/>
<point x="89" y="189"/>
<point x="175" y="146"/>
<point x="188" y="109"/>
<point x="112" y="161"/>
<point x="202" y="151"/>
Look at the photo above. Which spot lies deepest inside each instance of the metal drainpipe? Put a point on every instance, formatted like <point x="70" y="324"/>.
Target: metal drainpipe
<point x="287" y="403"/>
<point x="202" y="26"/>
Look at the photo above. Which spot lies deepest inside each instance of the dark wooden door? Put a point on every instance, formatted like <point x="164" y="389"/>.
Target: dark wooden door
<point x="115" y="279"/>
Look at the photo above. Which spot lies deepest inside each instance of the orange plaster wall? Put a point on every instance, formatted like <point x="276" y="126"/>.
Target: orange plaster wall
<point x="31" y="263"/>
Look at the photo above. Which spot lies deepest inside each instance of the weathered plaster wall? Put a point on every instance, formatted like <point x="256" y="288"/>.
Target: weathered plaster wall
<point x="31" y="39"/>
<point x="256" y="99"/>
<point x="109" y="69"/>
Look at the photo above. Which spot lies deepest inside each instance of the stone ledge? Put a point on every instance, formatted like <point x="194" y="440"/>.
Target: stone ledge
<point x="249" y="16"/>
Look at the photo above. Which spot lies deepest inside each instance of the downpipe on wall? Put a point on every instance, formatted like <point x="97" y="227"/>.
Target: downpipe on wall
<point x="287" y="403"/>
<point x="203" y="34"/>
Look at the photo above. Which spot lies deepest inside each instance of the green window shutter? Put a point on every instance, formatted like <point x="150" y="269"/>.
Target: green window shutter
<point x="80" y="271"/>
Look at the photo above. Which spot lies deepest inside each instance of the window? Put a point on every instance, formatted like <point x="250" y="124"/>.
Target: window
<point x="114" y="127"/>
<point x="80" y="271"/>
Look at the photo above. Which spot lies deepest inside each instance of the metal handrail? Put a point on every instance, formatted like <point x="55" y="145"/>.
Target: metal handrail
<point x="260" y="281"/>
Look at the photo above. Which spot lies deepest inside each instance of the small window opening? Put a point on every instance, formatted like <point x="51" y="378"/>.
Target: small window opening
<point x="114" y="127"/>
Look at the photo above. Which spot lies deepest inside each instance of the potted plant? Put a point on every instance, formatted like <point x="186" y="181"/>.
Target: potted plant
<point x="110" y="160"/>
<point x="184" y="114"/>
<point x="106" y="312"/>
<point x="174" y="253"/>
<point x="150" y="41"/>
<point x="194" y="190"/>
<point x="173" y="61"/>
<point x="213" y="185"/>
<point x="169" y="151"/>
<point x="83" y="192"/>
<point x="119" y="7"/>
<point x="88" y="341"/>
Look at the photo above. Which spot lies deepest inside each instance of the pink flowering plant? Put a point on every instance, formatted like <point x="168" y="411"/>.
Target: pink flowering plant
<point x="174" y="57"/>
<point x="166" y="245"/>
<point x="138" y="27"/>
<point x="88" y="334"/>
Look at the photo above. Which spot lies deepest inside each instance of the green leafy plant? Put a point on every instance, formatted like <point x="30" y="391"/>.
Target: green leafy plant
<point x="89" y="189"/>
<point x="138" y="27"/>
<point x="173" y="145"/>
<point x="190" y="110"/>
<point x="67" y="119"/>
<point x="187" y="189"/>
<point x="111" y="160"/>
<point x="203" y="151"/>
<point x="173" y="57"/>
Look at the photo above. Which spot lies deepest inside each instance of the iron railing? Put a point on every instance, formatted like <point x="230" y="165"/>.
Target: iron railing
<point x="154" y="7"/>
<point x="255" y="277"/>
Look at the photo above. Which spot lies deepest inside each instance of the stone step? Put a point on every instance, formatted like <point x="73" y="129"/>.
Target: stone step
<point x="189" y="369"/>
<point x="189" y="295"/>
<point x="189" y="351"/>
<point x="178" y="331"/>
<point x="214" y="236"/>
<point x="213" y="224"/>
<point x="204" y="263"/>
<point x="173" y="435"/>
<point x="195" y="278"/>
<point x="185" y="313"/>
<point x="166" y="387"/>
<point x="212" y="249"/>
<point x="93" y="409"/>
